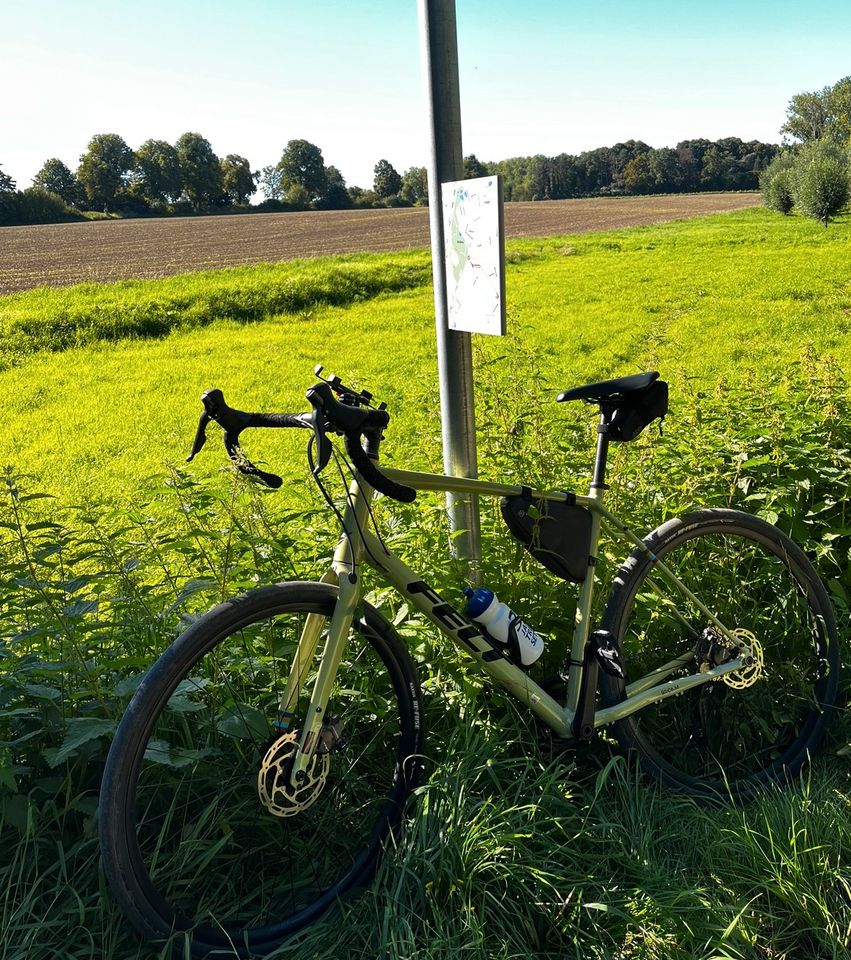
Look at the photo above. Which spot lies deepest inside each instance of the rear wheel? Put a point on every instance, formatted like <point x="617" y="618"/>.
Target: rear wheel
<point x="757" y="727"/>
<point x="201" y="832"/>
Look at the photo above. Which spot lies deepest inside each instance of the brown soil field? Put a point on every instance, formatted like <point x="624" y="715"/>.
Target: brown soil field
<point x="60" y="254"/>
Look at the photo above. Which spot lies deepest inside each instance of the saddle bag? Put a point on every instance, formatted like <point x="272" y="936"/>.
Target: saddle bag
<point x="558" y="535"/>
<point x="637" y="410"/>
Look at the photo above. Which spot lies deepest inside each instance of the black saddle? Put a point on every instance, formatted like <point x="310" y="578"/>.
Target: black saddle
<point x="610" y="390"/>
<point x="627" y="404"/>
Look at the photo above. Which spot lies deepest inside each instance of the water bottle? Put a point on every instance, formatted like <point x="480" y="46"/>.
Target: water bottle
<point x="504" y="625"/>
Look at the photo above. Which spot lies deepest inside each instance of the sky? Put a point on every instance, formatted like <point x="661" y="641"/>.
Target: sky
<point x="536" y="76"/>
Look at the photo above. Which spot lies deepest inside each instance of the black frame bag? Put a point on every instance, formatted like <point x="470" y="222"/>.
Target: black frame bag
<point x="558" y="535"/>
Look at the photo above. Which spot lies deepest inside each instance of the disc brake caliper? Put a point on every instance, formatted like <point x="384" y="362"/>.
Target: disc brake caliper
<point x="711" y="651"/>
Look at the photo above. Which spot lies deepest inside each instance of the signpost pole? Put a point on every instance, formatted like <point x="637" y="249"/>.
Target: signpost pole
<point x="454" y="356"/>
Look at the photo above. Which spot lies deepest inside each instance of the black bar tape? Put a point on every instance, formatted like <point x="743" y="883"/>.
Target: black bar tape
<point x="280" y="420"/>
<point x="244" y="465"/>
<point x="373" y="476"/>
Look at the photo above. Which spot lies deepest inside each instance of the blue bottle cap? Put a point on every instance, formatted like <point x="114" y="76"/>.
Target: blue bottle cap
<point x="478" y="601"/>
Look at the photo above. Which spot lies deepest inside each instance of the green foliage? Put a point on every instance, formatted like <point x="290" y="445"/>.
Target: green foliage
<point x="654" y="171"/>
<point x="158" y="177"/>
<point x="777" y="183"/>
<point x="822" y="180"/>
<point x="335" y="196"/>
<point x="7" y="184"/>
<point x="35" y="205"/>
<point x="237" y="179"/>
<point x="474" y="168"/>
<point x="415" y="186"/>
<point x="200" y="171"/>
<point x="270" y="183"/>
<point x="387" y="181"/>
<point x="821" y="115"/>
<point x="302" y="166"/>
<point x="58" y="319"/>
<point x="633" y="167"/>
<point x="103" y="170"/>
<point x="56" y="178"/>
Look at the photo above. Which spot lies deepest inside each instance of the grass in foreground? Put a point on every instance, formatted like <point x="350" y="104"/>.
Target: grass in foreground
<point x="510" y="849"/>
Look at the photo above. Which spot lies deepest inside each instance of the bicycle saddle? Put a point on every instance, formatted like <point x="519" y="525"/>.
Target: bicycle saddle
<point x="610" y="389"/>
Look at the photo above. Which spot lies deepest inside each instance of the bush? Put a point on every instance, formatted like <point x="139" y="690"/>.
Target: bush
<point x="777" y="183"/>
<point x="821" y="181"/>
<point x="35" y="205"/>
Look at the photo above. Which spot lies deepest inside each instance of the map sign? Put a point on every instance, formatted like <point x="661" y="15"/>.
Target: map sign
<point x="474" y="247"/>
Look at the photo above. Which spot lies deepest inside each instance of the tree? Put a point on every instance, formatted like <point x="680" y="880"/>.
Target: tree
<point x="387" y="181"/>
<point x="821" y="115"/>
<point x="270" y="183"/>
<point x="474" y="168"/>
<point x="157" y="175"/>
<point x="335" y="195"/>
<point x="56" y="178"/>
<point x="415" y="186"/>
<point x="302" y="166"/>
<point x="104" y="168"/>
<point x="7" y="184"/>
<point x="821" y="180"/>
<point x="200" y="170"/>
<point x="237" y="179"/>
<point x="777" y="183"/>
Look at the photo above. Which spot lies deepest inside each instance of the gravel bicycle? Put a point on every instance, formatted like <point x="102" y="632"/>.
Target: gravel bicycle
<point x="267" y="756"/>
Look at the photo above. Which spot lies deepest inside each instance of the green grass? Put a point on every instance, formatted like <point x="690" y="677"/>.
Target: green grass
<point x="728" y="298"/>
<point x="54" y="319"/>
<point x="513" y="848"/>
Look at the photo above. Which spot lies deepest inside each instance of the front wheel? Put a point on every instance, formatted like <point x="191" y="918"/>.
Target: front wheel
<point x="723" y="738"/>
<point x="201" y="833"/>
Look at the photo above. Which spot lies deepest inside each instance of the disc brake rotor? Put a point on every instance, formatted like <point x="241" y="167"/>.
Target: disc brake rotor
<point x="751" y="671"/>
<point x="276" y="793"/>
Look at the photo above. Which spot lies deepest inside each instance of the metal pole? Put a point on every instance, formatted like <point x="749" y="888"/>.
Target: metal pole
<point x="454" y="356"/>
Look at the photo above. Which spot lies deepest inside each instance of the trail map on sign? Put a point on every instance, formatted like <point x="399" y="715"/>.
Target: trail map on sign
<point x="475" y="263"/>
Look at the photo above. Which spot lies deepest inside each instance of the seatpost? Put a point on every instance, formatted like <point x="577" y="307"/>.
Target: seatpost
<point x="599" y="480"/>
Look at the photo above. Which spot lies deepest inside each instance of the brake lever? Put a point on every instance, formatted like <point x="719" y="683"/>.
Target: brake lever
<point x="323" y="444"/>
<point x="200" y="436"/>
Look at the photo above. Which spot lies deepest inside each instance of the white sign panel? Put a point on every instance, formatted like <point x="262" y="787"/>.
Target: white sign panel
<point x="474" y="242"/>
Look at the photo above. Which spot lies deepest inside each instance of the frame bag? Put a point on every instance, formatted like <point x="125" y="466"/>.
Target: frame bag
<point x="558" y="535"/>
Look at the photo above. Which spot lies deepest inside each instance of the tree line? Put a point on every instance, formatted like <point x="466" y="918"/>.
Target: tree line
<point x="187" y="176"/>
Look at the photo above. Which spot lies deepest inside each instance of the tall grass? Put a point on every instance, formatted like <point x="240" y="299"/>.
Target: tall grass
<point x="515" y="844"/>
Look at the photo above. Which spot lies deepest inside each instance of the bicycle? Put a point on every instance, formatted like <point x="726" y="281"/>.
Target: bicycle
<point x="271" y="749"/>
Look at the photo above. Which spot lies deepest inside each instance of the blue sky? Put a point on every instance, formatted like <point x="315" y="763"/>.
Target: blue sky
<point x="538" y="76"/>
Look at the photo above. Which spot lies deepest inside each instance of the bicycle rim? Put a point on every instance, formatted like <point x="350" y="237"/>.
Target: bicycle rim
<point x="727" y="737"/>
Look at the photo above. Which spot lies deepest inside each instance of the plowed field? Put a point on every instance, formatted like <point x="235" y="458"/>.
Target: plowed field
<point x="59" y="254"/>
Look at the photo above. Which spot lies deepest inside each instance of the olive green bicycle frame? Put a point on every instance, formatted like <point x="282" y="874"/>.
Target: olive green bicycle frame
<point x="358" y="546"/>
